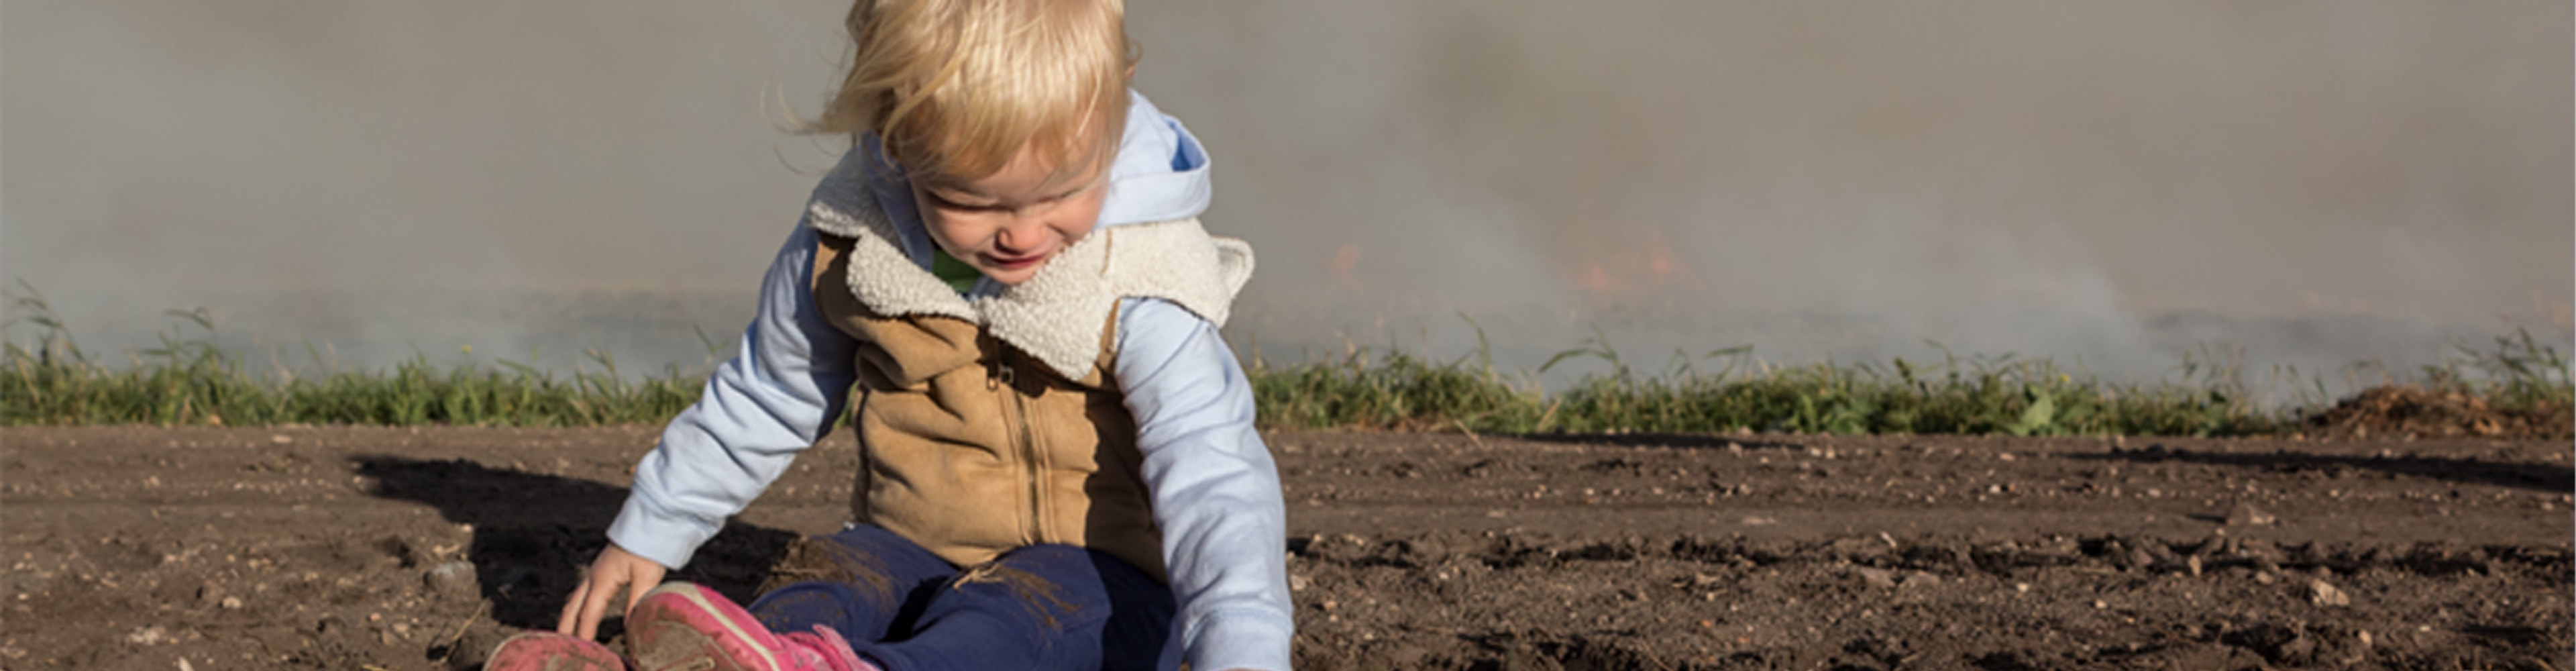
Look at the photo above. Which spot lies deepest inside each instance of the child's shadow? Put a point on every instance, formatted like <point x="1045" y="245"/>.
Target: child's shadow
<point x="534" y="534"/>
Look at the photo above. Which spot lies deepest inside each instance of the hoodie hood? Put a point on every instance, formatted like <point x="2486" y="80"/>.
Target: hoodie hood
<point x="1159" y="174"/>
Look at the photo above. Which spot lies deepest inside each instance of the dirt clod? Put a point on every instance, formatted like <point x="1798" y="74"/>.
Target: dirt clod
<point x="2245" y="514"/>
<point x="1880" y="578"/>
<point x="455" y="578"/>
<point x="2323" y="593"/>
<point x="152" y="635"/>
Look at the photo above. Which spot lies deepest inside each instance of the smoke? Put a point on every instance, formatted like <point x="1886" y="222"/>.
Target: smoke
<point x="2315" y="182"/>
<point x="2318" y="183"/>
<point x="398" y="178"/>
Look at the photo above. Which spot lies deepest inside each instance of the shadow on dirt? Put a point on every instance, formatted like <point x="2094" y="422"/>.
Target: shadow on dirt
<point x="1682" y="441"/>
<point x="2543" y="477"/>
<point x="534" y="533"/>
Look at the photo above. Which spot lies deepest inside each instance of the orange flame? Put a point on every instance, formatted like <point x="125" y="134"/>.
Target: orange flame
<point x="1644" y="268"/>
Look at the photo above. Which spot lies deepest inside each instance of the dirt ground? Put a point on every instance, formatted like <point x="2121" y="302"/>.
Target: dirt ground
<point x="380" y="549"/>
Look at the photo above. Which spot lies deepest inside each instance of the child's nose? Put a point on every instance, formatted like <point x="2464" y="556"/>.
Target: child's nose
<point x="1026" y="230"/>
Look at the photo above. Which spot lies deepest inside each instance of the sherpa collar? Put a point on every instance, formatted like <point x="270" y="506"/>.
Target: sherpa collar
<point x="1057" y="315"/>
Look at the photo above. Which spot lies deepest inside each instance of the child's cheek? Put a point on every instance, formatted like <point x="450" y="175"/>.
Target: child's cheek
<point x="954" y="230"/>
<point x="1086" y="213"/>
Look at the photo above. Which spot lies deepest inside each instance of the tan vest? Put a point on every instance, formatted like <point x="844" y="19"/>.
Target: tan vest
<point x="996" y="424"/>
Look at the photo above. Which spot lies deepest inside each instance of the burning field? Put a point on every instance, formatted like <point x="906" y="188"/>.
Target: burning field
<point x="401" y="548"/>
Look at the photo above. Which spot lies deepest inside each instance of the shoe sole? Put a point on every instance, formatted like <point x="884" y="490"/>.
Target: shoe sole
<point x="674" y="641"/>
<point x="542" y="651"/>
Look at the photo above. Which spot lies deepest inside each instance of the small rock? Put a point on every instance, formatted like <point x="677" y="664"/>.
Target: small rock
<point x="455" y="578"/>
<point x="232" y="603"/>
<point x="1877" y="577"/>
<point x="2245" y="514"/>
<point x="152" y="635"/>
<point x="281" y="439"/>
<point x="2192" y="564"/>
<point x="2324" y="594"/>
<point x="1296" y="582"/>
<point x="1922" y="580"/>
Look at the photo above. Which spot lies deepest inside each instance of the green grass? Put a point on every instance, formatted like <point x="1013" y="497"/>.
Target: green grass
<point x="2516" y="373"/>
<point x="188" y="381"/>
<point x="1390" y="389"/>
<point x="1730" y="391"/>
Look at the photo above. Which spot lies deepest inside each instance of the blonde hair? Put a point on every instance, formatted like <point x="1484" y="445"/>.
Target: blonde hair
<point x="955" y="88"/>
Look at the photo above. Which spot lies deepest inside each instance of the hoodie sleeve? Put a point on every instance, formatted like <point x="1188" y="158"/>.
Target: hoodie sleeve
<point x="1215" y="491"/>
<point x="776" y="397"/>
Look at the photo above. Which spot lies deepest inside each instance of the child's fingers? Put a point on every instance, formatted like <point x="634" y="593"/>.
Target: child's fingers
<point x="646" y="577"/>
<point x="637" y="574"/>
<point x="572" y="610"/>
<point x="596" y="595"/>
<point x="616" y="570"/>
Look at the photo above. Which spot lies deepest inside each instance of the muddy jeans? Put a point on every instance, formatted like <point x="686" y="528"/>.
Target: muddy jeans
<point x="1039" y="607"/>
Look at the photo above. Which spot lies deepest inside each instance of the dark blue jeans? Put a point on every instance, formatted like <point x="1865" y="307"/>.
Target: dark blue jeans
<point x="1039" y="607"/>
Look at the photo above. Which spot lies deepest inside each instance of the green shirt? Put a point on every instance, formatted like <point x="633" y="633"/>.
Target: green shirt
<point x="956" y="273"/>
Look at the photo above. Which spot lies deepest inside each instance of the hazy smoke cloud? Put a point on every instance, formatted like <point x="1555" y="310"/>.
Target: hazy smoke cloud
<point x="2318" y="182"/>
<point x="2332" y="181"/>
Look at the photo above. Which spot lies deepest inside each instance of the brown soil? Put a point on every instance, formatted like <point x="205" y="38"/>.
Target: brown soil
<point x="374" y="548"/>
<point x="2394" y="411"/>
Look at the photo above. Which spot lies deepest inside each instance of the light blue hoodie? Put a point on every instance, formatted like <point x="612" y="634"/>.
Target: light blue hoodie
<point x="1215" y="492"/>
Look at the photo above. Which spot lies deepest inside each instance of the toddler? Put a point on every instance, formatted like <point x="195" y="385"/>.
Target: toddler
<point x="1058" y="463"/>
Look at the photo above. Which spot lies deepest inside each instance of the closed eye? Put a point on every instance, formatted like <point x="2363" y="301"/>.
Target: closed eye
<point x="1069" y="193"/>
<point x="945" y="203"/>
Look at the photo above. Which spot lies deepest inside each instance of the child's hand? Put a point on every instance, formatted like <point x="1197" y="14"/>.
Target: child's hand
<point x="614" y="568"/>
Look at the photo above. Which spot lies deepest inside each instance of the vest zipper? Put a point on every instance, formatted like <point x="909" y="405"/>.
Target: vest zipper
<point x="1030" y="455"/>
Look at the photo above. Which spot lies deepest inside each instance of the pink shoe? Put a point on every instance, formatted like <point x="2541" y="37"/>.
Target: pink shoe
<point x="686" y="627"/>
<point x="549" y="651"/>
<point x="827" y="651"/>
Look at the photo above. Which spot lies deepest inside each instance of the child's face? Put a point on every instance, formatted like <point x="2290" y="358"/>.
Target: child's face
<point x="1008" y="224"/>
